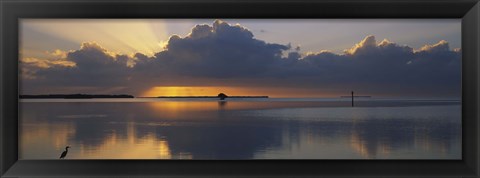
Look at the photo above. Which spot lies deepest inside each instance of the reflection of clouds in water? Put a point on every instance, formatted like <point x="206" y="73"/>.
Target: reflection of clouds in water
<point x="48" y="137"/>
<point x="135" y="130"/>
<point x="381" y="139"/>
<point x="131" y="147"/>
<point x="223" y="141"/>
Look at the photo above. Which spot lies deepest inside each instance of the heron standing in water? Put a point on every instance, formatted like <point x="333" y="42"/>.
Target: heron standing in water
<point x="64" y="153"/>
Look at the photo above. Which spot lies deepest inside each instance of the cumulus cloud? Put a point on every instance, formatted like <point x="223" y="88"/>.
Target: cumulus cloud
<point x="387" y="66"/>
<point x="440" y="46"/>
<point x="40" y="63"/>
<point x="217" y="51"/>
<point x="89" y="66"/>
<point x="223" y="52"/>
<point x="31" y="65"/>
<point x="58" y="54"/>
<point x="367" y="43"/>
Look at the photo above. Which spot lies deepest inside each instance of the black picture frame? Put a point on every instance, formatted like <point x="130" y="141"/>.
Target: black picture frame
<point x="12" y="10"/>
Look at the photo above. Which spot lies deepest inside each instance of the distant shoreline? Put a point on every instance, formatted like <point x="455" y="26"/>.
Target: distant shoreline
<point x="73" y="96"/>
<point x="92" y="96"/>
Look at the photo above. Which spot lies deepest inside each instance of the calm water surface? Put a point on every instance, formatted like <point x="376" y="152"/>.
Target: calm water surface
<point x="240" y="129"/>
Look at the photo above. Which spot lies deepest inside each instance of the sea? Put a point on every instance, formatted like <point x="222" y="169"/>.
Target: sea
<point x="240" y="128"/>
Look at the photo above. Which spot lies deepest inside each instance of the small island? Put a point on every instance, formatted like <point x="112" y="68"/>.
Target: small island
<point x="73" y="96"/>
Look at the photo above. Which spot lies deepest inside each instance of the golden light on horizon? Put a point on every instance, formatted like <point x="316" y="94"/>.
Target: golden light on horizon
<point x="272" y="92"/>
<point x="193" y="91"/>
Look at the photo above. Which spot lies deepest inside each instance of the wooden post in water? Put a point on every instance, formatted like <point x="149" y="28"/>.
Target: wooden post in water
<point x="352" y="99"/>
<point x="353" y="96"/>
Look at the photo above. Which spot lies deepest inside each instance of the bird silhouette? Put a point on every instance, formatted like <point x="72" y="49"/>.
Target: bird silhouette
<point x="64" y="153"/>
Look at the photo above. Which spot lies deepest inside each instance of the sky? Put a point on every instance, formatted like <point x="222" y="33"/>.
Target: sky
<point x="274" y="57"/>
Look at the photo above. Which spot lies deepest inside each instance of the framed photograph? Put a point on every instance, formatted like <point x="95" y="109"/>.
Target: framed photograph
<point x="240" y="88"/>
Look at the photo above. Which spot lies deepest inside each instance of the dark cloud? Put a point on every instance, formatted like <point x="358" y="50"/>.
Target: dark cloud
<point x="386" y="66"/>
<point x="217" y="51"/>
<point x="94" y="66"/>
<point x="220" y="52"/>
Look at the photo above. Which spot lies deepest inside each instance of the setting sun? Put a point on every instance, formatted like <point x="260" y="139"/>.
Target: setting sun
<point x="190" y="91"/>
